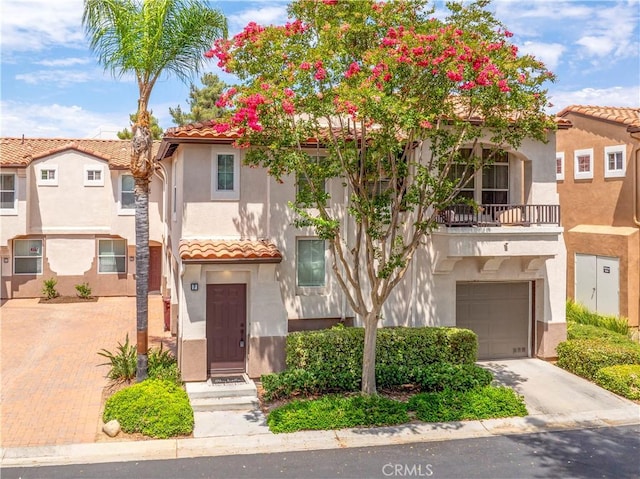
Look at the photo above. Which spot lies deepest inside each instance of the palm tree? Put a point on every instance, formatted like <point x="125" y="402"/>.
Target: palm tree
<point x="149" y="38"/>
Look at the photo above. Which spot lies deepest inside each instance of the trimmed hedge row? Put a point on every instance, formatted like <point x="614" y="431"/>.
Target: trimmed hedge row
<point x="341" y="348"/>
<point x="585" y="357"/>
<point x="623" y="380"/>
<point x="331" y="361"/>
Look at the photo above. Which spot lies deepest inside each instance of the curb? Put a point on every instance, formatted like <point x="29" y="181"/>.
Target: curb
<point x="92" y="453"/>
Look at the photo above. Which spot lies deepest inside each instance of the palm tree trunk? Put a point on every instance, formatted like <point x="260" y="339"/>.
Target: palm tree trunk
<point x="142" y="276"/>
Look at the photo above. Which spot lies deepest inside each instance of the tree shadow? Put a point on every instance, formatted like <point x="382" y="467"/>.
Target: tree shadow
<point x="412" y="427"/>
<point x="502" y="374"/>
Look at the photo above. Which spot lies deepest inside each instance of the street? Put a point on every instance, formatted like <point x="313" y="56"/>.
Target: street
<point x="605" y="452"/>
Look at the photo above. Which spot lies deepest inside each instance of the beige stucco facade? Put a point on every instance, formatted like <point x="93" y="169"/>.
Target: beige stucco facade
<point x="532" y="254"/>
<point x="67" y="202"/>
<point x="599" y="212"/>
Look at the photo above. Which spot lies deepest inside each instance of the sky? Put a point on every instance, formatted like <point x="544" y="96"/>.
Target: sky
<point x="52" y="86"/>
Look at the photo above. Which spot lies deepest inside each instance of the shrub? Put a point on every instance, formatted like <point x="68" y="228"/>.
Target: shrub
<point x="588" y="331"/>
<point x="340" y="349"/>
<point x="123" y="362"/>
<point x="585" y="357"/>
<point x="337" y="412"/>
<point x="153" y="407"/>
<point x="480" y="403"/>
<point x="162" y="364"/>
<point x="49" y="288"/>
<point x="456" y="377"/>
<point x="623" y="380"/>
<point x="84" y="291"/>
<point x="578" y="313"/>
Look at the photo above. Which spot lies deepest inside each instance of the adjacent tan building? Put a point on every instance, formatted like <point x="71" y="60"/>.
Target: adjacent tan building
<point x="598" y="177"/>
<point x="67" y="212"/>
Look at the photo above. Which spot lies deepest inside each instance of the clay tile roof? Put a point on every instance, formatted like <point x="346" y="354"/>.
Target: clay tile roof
<point x="202" y="129"/>
<point x="627" y="116"/>
<point x="19" y="152"/>
<point x="229" y="251"/>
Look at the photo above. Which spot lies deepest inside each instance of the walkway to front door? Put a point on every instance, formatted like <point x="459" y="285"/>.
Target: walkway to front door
<point x="226" y="327"/>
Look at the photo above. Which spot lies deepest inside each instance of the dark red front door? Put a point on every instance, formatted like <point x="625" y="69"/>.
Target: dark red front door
<point x="155" y="267"/>
<point x="226" y="327"/>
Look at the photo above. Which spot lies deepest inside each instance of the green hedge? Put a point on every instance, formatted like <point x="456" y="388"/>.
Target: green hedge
<point x="585" y="357"/>
<point x="337" y="412"/>
<point x="340" y="349"/>
<point x="153" y="407"/>
<point x="480" y="403"/>
<point x="623" y="380"/>
<point x="589" y="331"/>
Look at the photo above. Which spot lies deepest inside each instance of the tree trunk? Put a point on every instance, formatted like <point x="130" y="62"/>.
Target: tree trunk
<point x="142" y="276"/>
<point x="369" y="355"/>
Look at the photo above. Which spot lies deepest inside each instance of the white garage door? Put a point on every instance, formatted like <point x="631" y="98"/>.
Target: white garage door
<point x="499" y="314"/>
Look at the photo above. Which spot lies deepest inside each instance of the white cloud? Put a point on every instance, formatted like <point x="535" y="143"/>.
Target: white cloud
<point x="612" y="32"/>
<point x="53" y="120"/>
<point x="549" y="53"/>
<point x="269" y="14"/>
<point x="34" y="25"/>
<point x="614" y="96"/>
<point x="64" y="62"/>
<point x="60" y="78"/>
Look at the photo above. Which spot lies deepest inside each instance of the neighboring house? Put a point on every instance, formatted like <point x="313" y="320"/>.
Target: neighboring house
<point x="598" y="177"/>
<point x="241" y="276"/>
<point x="67" y="212"/>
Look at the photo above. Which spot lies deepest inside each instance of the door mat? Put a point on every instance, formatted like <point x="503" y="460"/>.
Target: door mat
<point x="227" y="379"/>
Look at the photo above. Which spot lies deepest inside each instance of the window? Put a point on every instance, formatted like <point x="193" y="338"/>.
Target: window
<point x="560" y="166"/>
<point x="583" y="164"/>
<point x="495" y="179"/>
<point x="310" y="263"/>
<point x="112" y="256"/>
<point x="225" y="178"/>
<point x="303" y="183"/>
<point x="93" y="176"/>
<point x="614" y="161"/>
<point x="127" y="194"/>
<point x="47" y="175"/>
<point x="8" y="193"/>
<point x="27" y="256"/>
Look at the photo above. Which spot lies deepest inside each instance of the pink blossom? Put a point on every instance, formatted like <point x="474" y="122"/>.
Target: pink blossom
<point x="288" y="92"/>
<point x="508" y="34"/>
<point x="221" y="127"/>
<point x="418" y="51"/>
<point x="454" y="76"/>
<point x="329" y="2"/>
<point x="353" y="69"/>
<point x="287" y="106"/>
<point x="321" y="74"/>
<point x="504" y="87"/>
<point x="305" y="66"/>
<point x="426" y="124"/>
<point x="468" y="85"/>
<point x="318" y="64"/>
<point x="265" y="86"/>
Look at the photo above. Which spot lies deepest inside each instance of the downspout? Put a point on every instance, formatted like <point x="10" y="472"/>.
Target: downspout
<point x="343" y="305"/>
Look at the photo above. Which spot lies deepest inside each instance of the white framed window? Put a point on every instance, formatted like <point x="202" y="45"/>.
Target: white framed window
<point x="615" y="161"/>
<point x="310" y="263"/>
<point x="495" y="179"/>
<point x="225" y="184"/>
<point x="94" y="175"/>
<point x="8" y="194"/>
<point x="560" y="166"/>
<point x="112" y="256"/>
<point x="583" y="164"/>
<point x="27" y="256"/>
<point x="127" y="196"/>
<point x="47" y="175"/>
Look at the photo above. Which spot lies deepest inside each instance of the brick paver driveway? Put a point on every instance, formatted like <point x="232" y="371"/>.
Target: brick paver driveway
<point x="51" y="379"/>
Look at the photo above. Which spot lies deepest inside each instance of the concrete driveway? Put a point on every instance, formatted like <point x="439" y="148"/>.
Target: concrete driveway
<point x="51" y="379"/>
<point x="548" y="389"/>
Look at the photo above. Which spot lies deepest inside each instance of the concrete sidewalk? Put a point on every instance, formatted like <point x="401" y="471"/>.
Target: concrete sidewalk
<point x="556" y="400"/>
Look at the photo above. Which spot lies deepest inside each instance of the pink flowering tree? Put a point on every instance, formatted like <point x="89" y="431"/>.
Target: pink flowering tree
<point x="387" y="96"/>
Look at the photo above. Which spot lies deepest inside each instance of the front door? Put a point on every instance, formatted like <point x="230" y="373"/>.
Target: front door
<point x="226" y="327"/>
<point x="155" y="268"/>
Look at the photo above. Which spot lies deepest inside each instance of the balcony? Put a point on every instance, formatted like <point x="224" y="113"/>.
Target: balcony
<point x="493" y="234"/>
<point x="499" y="215"/>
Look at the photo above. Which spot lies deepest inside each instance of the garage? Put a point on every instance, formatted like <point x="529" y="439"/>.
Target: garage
<point x="498" y="313"/>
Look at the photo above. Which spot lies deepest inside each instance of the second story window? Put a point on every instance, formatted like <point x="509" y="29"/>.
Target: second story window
<point x="560" y="166"/>
<point x="310" y="263"/>
<point x="583" y="164"/>
<point x="47" y="175"/>
<point x="93" y="176"/>
<point x="225" y="177"/>
<point x="8" y="195"/>
<point x="495" y="179"/>
<point x="127" y="194"/>
<point x="614" y="161"/>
